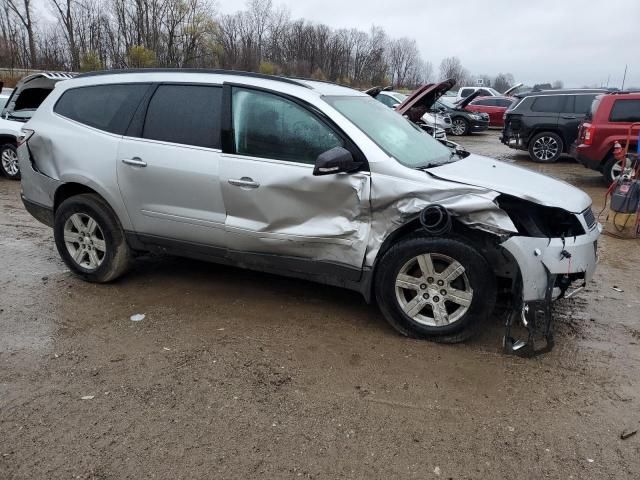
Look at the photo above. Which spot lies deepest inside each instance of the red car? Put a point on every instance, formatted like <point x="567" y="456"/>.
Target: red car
<point x="493" y="106"/>
<point x="611" y="116"/>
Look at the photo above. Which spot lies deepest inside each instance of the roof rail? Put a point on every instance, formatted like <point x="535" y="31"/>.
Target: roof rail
<point x="193" y="70"/>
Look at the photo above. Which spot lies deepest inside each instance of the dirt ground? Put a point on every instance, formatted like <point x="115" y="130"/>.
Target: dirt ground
<point x="234" y="374"/>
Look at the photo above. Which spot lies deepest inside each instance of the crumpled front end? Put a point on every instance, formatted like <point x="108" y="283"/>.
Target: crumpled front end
<point x="540" y="251"/>
<point x="397" y="202"/>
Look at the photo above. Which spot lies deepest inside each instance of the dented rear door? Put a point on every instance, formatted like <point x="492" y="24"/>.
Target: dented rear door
<point x="276" y="207"/>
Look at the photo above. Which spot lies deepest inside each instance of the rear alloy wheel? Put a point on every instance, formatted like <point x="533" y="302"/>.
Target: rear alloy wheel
<point x="545" y="147"/>
<point x="90" y="240"/>
<point x="459" y="126"/>
<point x="612" y="170"/>
<point x="9" y="161"/>
<point x="439" y="289"/>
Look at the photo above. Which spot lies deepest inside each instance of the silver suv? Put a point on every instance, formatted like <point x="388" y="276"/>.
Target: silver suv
<point x="302" y="178"/>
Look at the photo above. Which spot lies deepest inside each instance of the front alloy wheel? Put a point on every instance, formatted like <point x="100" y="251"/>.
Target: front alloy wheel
<point x="459" y="126"/>
<point x="440" y="289"/>
<point x="433" y="290"/>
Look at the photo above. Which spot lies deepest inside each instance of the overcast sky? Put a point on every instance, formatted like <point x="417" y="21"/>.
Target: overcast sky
<point x="580" y="42"/>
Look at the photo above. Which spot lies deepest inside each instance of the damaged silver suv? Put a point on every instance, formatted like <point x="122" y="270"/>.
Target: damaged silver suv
<point x="302" y="178"/>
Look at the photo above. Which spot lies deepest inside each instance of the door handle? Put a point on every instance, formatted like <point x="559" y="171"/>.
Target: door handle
<point x="135" y="161"/>
<point x="244" y="182"/>
<point x="569" y="117"/>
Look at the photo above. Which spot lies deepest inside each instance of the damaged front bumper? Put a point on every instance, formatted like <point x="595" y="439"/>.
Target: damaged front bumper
<point x="548" y="268"/>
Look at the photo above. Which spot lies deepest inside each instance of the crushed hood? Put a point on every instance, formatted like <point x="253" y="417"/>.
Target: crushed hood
<point x="512" y="180"/>
<point x="422" y="99"/>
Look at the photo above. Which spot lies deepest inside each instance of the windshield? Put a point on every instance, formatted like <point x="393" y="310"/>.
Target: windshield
<point x="393" y="133"/>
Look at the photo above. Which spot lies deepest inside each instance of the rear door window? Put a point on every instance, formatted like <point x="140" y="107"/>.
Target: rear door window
<point x="625" y="110"/>
<point x="503" y="102"/>
<point x="549" y="103"/>
<point x="185" y="114"/>
<point x="465" y="92"/>
<point x="105" y="107"/>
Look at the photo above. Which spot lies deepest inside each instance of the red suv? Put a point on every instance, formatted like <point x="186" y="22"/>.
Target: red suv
<point x="609" y="121"/>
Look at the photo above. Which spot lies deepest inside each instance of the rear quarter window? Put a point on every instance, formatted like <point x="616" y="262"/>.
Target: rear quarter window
<point x="625" y="110"/>
<point x="105" y="107"/>
<point x="582" y="104"/>
<point x="549" y="103"/>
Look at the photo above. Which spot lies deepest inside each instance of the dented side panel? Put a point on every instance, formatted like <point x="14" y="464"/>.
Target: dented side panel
<point x="395" y="201"/>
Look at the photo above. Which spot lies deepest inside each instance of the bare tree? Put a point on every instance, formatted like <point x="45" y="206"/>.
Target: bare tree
<point x="64" y="11"/>
<point x="402" y="56"/>
<point x="95" y="34"/>
<point x="451" y="67"/>
<point x="557" y="84"/>
<point x="503" y="81"/>
<point x="23" y="11"/>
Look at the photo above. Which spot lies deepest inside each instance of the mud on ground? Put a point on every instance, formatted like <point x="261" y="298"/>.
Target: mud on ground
<point x="235" y="374"/>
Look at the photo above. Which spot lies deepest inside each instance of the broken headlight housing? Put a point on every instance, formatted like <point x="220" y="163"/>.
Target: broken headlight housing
<point x="535" y="220"/>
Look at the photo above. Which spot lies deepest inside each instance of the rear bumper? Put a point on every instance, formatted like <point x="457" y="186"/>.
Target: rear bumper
<point x="40" y="212"/>
<point x="478" y="126"/>
<point x="514" y="141"/>
<point x="585" y="155"/>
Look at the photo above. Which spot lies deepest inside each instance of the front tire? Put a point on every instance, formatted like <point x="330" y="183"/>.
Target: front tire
<point x="438" y="289"/>
<point x="460" y="126"/>
<point x="9" y="161"/>
<point x="545" y="147"/>
<point x="90" y="239"/>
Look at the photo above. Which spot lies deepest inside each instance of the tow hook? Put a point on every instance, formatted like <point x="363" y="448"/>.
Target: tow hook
<point x="537" y="319"/>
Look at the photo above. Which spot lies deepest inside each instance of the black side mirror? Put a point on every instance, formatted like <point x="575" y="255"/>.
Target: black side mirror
<point x="336" y="160"/>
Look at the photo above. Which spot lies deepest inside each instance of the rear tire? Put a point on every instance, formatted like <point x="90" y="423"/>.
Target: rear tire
<point x="545" y="147"/>
<point x="432" y="288"/>
<point x="611" y="170"/>
<point x="9" y="161"/>
<point x="90" y="240"/>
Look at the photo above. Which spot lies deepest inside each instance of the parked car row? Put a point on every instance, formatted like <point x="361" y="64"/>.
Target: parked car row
<point x="452" y="115"/>
<point x="585" y="123"/>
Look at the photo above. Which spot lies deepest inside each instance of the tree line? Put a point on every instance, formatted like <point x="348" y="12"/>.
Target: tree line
<point x="105" y="34"/>
<point x="86" y="35"/>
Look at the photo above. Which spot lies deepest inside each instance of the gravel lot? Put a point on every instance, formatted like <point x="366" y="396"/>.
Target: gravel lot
<point x="235" y="374"/>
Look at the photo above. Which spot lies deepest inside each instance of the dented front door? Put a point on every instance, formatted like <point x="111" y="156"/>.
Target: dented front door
<point x="276" y="208"/>
<point x="280" y="208"/>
